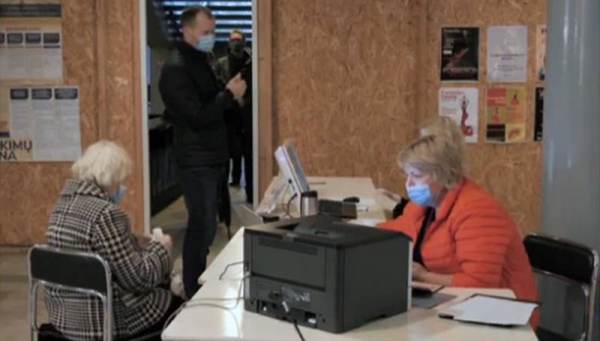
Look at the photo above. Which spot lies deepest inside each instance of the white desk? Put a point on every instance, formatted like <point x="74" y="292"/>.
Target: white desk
<point x="214" y="323"/>
<point x="333" y="188"/>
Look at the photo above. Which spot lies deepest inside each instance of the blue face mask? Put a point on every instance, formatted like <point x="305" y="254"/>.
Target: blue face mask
<point x="206" y="43"/>
<point x="420" y="195"/>
<point x="115" y="198"/>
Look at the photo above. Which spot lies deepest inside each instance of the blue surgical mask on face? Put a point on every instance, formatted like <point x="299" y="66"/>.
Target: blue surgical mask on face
<point x="206" y="43"/>
<point x="420" y="195"/>
<point x="115" y="198"/>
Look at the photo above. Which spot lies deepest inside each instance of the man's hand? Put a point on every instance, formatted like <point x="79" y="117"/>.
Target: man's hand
<point x="237" y="86"/>
<point x="241" y="101"/>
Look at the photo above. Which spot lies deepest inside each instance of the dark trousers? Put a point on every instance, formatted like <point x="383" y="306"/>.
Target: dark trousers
<point x="201" y="191"/>
<point x="248" y="165"/>
<point x="235" y="155"/>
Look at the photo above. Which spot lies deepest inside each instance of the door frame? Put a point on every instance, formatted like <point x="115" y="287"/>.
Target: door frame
<point x="262" y="107"/>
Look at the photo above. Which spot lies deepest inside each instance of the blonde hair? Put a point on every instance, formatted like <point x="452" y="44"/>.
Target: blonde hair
<point x="105" y="163"/>
<point x="440" y="151"/>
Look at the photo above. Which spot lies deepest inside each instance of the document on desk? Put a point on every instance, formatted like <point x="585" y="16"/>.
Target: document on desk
<point x="491" y="310"/>
<point x="425" y="288"/>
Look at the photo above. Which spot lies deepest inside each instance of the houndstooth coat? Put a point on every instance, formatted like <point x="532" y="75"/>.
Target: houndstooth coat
<point x="85" y="220"/>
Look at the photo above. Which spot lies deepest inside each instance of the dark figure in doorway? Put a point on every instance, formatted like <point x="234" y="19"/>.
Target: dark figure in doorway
<point x="239" y="125"/>
<point x="197" y="105"/>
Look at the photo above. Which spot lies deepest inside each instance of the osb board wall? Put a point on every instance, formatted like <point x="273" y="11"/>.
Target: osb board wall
<point x="511" y="172"/>
<point x="354" y="79"/>
<point x="344" y="84"/>
<point x="29" y="190"/>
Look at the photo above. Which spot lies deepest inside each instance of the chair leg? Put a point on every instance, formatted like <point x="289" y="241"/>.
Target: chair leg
<point x="229" y="232"/>
<point x="33" y="288"/>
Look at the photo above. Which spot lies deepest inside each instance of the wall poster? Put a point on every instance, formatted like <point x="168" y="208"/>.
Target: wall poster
<point x="462" y="105"/>
<point x="506" y="109"/>
<point x="460" y="54"/>
<point x="507" y="54"/>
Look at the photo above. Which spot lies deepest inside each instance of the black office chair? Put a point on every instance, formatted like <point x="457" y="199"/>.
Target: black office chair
<point x="571" y="263"/>
<point x="56" y="267"/>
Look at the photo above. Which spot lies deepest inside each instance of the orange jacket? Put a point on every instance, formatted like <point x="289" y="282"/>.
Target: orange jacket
<point x="473" y="239"/>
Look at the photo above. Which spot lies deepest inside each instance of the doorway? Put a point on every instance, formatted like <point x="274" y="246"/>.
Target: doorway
<point x="164" y="202"/>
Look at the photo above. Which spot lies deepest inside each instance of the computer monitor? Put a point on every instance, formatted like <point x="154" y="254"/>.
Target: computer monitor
<point x="291" y="168"/>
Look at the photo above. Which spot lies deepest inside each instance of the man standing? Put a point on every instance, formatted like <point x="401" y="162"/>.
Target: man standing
<point x="239" y="60"/>
<point x="196" y="106"/>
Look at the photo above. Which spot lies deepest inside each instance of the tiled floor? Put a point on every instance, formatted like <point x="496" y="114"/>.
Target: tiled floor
<point x="13" y="267"/>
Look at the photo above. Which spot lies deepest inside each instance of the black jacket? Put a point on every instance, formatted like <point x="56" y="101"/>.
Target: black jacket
<point x="238" y="119"/>
<point x="196" y="106"/>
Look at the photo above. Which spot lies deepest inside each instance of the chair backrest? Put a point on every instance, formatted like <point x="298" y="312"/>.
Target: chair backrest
<point x="568" y="261"/>
<point x="73" y="269"/>
<point x="80" y="271"/>
<point x="562" y="258"/>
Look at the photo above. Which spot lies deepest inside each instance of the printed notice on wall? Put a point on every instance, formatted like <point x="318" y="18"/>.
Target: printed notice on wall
<point x="540" y="53"/>
<point x="42" y="125"/>
<point x="462" y="106"/>
<point x="460" y="54"/>
<point x="507" y="54"/>
<point x="539" y="114"/>
<point x="506" y="114"/>
<point x="30" y="42"/>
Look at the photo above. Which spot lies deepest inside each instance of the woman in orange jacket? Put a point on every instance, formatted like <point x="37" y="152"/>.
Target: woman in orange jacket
<point x="461" y="235"/>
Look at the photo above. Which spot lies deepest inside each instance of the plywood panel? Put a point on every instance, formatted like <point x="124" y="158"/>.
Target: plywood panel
<point x="79" y="61"/>
<point x="344" y="84"/>
<point x="29" y="190"/>
<point x="512" y="173"/>
<point x="265" y="95"/>
<point x="352" y="80"/>
<point x="123" y="80"/>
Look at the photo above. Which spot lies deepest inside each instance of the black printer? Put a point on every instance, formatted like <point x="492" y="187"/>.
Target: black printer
<point x="323" y="273"/>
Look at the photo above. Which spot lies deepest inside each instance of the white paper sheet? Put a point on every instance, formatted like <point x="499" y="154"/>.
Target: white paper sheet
<point x="66" y="104"/>
<point x="45" y="125"/>
<point x="20" y="113"/>
<point x="491" y="310"/>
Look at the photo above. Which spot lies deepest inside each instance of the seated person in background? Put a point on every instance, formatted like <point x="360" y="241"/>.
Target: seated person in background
<point x="87" y="219"/>
<point x="461" y="235"/>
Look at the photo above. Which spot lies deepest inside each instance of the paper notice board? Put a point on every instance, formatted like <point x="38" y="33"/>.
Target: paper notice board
<point x="39" y="118"/>
<point x="30" y="42"/>
<point x="43" y="124"/>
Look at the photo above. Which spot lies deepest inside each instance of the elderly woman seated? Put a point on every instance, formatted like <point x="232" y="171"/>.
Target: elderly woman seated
<point x="87" y="218"/>
<point x="461" y="235"/>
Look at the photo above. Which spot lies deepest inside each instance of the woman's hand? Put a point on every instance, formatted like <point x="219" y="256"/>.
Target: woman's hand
<point x="143" y="240"/>
<point x="165" y="240"/>
<point x="418" y="272"/>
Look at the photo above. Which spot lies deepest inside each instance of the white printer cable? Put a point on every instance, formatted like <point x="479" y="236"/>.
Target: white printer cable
<point x="206" y="301"/>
